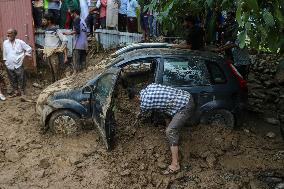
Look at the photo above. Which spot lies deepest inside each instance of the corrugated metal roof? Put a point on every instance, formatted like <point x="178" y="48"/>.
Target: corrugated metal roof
<point x="113" y="38"/>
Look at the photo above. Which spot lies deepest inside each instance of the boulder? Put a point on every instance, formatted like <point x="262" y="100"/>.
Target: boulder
<point x="279" y="76"/>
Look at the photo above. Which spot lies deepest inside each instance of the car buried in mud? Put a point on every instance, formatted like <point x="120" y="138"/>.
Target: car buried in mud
<point x="218" y="89"/>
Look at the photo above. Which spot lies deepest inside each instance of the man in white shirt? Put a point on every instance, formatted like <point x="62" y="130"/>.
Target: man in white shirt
<point x="14" y="52"/>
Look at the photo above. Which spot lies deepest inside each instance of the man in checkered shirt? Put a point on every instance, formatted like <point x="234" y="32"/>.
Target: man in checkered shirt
<point x="176" y="103"/>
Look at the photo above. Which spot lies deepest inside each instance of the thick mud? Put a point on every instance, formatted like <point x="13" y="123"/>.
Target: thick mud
<point x="211" y="156"/>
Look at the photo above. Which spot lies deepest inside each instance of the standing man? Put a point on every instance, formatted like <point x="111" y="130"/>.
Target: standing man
<point x="194" y="35"/>
<point x="101" y="5"/>
<point x="132" y="25"/>
<point x="54" y="10"/>
<point x="55" y="44"/>
<point x="65" y="15"/>
<point x="93" y="16"/>
<point x="175" y="103"/>
<point x="239" y="56"/>
<point x="122" y="15"/>
<point x="38" y="12"/>
<point x="144" y="20"/>
<point x="80" y="42"/>
<point x="14" y="52"/>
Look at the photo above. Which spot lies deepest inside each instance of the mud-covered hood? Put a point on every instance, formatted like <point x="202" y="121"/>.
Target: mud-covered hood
<point x="69" y="84"/>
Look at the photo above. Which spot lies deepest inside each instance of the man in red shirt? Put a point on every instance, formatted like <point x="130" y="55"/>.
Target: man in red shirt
<point x="101" y="5"/>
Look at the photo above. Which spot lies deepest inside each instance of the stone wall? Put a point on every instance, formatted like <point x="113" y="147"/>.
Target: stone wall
<point x="266" y="94"/>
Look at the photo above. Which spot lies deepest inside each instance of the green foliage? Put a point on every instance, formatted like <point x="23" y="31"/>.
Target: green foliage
<point x="261" y="22"/>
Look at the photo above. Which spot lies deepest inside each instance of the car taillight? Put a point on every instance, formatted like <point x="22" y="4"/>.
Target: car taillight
<point x="242" y="82"/>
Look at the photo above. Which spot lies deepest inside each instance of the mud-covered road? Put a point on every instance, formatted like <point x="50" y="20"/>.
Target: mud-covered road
<point x="211" y="156"/>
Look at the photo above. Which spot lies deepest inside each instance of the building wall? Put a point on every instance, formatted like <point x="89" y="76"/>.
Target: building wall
<point x="18" y="14"/>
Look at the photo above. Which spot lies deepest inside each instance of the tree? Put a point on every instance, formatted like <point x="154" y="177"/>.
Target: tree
<point x="260" y="21"/>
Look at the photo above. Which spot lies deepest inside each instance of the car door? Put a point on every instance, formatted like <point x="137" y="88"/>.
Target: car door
<point x="189" y="74"/>
<point x="102" y="114"/>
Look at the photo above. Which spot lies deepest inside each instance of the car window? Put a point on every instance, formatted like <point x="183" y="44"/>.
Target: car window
<point x="188" y="72"/>
<point x="104" y="87"/>
<point x="217" y="74"/>
<point x="141" y="65"/>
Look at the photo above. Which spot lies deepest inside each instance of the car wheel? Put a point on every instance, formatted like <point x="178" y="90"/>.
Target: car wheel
<point x="65" y="122"/>
<point x="219" y="117"/>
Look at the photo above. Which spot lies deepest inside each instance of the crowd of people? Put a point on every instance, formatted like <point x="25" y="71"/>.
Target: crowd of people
<point x="122" y="15"/>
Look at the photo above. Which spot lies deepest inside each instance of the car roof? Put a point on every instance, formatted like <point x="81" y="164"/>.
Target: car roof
<point x="152" y="52"/>
<point x="136" y="46"/>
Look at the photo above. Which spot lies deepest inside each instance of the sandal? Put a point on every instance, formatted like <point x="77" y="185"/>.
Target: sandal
<point x="169" y="171"/>
<point x="12" y="95"/>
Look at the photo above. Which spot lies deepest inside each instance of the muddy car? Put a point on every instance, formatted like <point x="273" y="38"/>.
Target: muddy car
<point x="218" y="89"/>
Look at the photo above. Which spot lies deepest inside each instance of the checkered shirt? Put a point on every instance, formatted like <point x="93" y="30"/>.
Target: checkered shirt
<point x="163" y="98"/>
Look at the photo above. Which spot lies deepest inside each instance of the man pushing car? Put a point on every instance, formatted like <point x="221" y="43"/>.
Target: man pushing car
<point x="175" y="103"/>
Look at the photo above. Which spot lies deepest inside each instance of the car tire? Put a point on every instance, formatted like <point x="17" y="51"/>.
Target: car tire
<point x="219" y="117"/>
<point x="65" y="122"/>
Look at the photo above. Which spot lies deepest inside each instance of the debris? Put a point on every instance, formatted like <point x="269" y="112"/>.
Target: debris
<point x="12" y="155"/>
<point x="246" y="131"/>
<point x="125" y="172"/>
<point x="22" y="99"/>
<point x="279" y="186"/>
<point x="255" y="184"/>
<point x="272" y="121"/>
<point x="36" y="85"/>
<point x="232" y="185"/>
<point x="44" y="163"/>
<point x="270" y="135"/>
<point x="35" y="146"/>
<point x="211" y="160"/>
<point x="162" y="165"/>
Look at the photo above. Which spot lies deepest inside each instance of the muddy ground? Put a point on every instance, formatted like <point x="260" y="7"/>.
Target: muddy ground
<point x="211" y="156"/>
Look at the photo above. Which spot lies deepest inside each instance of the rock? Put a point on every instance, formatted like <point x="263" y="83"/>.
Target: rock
<point x="12" y="155"/>
<point x="232" y="185"/>
<point x="125" y="172"/>
<point x="162" y="165"/>
<point x="279" y="186"/>
<point x="279" y="77"/>
<point x="2" y="157"/>
<point x="36" y="85"/>
<point x="44" y="163"/>
<point x="254" y="184"/>
<point x="270" y="135"/>
<point x="35" y="146"/>
<point x="281" y="117"/>
<point x="211" y="160"/>
<point x="75" y="159"/>
<point x="246" y="131"/>
<point x="273" y="180"/>
<point x="38" y="174"/>
<point x="272" y="121"/>
<point x="142" y="167"/>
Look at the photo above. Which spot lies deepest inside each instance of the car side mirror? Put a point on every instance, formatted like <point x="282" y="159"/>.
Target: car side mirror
<point x="88" y="89"/>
